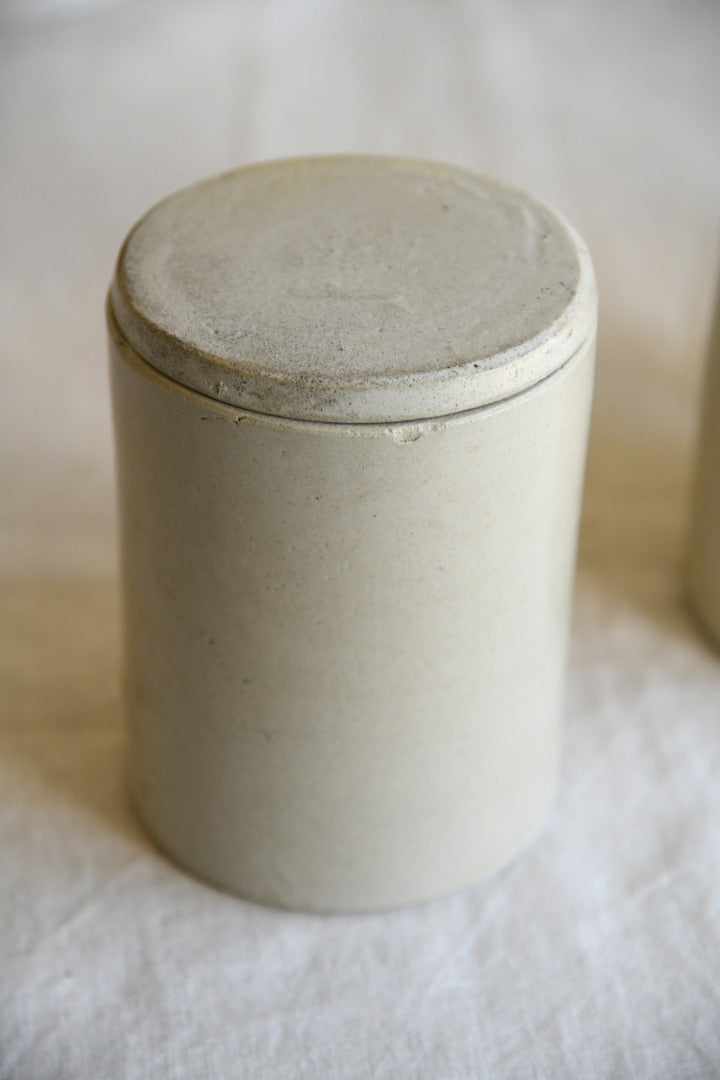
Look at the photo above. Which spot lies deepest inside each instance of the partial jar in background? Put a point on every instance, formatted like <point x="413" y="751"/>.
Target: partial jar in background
<point x="351" y="401"/>
<point x="704" y="558"/>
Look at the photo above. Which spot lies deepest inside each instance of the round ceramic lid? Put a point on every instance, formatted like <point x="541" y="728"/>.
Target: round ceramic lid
<point x="360" y="289"/>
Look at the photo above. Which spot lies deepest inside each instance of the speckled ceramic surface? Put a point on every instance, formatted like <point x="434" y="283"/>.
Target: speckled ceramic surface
<point x="356" y="288"/>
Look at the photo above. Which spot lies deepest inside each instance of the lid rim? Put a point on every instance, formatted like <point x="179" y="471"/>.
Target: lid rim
<point x="385" y="423"/>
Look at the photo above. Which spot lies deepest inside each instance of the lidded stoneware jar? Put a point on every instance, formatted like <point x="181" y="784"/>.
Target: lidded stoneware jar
<point x="351" y="402"/>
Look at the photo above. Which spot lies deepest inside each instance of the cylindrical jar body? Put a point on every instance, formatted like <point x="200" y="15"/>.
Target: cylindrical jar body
<point x="345" y="643"/>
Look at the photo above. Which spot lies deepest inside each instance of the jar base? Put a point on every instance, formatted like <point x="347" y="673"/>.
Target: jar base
<point x="316" y="906"/>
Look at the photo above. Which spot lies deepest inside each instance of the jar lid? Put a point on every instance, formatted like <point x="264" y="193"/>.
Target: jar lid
<point x="354" y="289"/>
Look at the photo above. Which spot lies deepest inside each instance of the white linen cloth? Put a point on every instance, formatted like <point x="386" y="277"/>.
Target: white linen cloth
<point x="597" y="952"/>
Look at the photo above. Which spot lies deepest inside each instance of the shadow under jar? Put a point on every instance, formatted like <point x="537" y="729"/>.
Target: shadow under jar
<point x="351" y="400"/>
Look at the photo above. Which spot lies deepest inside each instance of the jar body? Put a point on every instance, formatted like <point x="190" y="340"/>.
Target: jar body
<point x="345" y="644"/>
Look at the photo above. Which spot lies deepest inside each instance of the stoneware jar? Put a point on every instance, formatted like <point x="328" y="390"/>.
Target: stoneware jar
<point x="704" y="562"/>
<point x="351" y="404"/>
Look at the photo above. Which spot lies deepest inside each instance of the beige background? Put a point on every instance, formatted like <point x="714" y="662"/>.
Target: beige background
<point x="597" y="953"/>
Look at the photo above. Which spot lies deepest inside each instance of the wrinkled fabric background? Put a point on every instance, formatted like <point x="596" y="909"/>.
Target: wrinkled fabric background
<point x="597" y="953"/>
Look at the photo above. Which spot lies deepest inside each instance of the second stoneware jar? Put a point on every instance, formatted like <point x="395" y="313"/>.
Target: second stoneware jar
<point x="351" y="404"/>
<point x="704" y="561"/>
